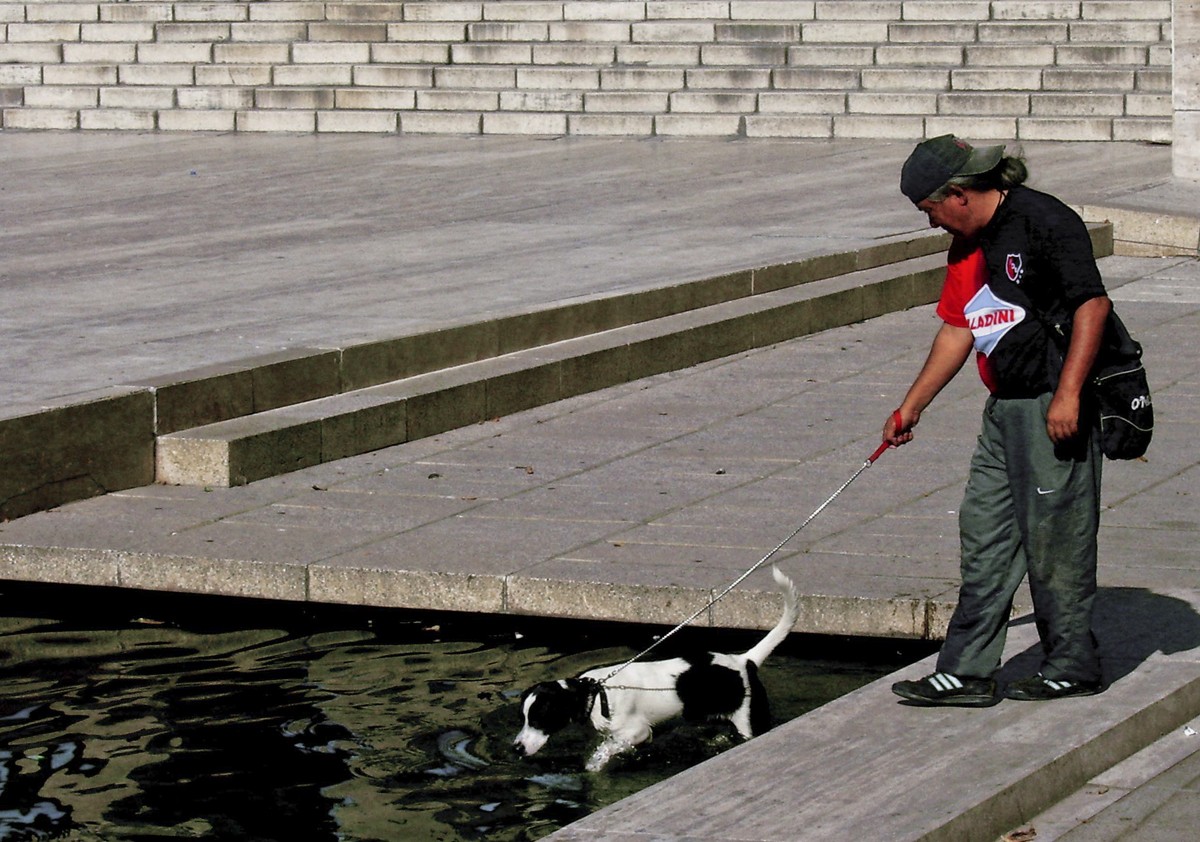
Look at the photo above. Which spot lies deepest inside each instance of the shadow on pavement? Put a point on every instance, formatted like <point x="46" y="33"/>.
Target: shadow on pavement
<point x="1132" y="625"/>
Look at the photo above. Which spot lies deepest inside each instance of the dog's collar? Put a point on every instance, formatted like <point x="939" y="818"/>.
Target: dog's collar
<point x="596" y="691"/>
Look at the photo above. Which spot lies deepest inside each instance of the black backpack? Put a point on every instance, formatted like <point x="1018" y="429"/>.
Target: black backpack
<point x="1117" y="390"/>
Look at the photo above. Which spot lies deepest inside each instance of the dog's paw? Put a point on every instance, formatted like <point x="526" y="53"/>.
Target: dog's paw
<point x="604" y="754"/>
<point x="601" y="758"/>
<point x="594" y="765"/>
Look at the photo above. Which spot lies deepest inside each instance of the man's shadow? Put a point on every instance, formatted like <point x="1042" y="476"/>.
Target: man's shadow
<point x="1131" y="624"/>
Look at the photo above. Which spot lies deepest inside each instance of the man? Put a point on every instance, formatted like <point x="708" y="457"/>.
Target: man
<point x="1020" y="280"/>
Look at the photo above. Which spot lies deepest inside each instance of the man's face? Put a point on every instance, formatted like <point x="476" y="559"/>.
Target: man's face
<point x="947" y="214"/>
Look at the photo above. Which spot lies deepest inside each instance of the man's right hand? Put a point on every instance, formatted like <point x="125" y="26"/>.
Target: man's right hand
<point x="897" y="430"/>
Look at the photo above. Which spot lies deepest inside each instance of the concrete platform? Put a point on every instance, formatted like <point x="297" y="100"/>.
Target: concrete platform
<point x="635" y="502"/>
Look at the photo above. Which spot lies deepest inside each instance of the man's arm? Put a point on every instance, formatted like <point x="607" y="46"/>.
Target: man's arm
<point x="951" y="348"/>
<point x="1087" y="331"/>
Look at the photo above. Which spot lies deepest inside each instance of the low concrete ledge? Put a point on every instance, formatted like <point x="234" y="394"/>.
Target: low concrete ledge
<point x="624" y="602"/>
<point x="918" y="618"/>
<point x="1142" y="233"/>
<point x="94" y="444"/>
<point x="261" y="579"/>
<point x="385" y="588"/>
<point x="398" y="585"/>
<point x="240" y="451"/>
<point x="254" y="384"/>
<point x="243" y="450"/>
<point x="109" y="568"/>
<point x="60" y="565"/>
<point x="381" y="361"/>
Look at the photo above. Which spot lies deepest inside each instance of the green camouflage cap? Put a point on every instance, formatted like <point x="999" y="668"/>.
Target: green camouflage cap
<point x="939" y="159"/>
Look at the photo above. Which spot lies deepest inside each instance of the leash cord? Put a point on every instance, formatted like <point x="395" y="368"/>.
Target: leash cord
<point x="756" y="566"/>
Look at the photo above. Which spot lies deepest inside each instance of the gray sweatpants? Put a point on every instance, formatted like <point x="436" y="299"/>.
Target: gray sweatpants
<point x="1027" y="510"/>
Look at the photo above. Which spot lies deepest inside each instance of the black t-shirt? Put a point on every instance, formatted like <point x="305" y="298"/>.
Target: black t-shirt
<point x="1038" y="255"/>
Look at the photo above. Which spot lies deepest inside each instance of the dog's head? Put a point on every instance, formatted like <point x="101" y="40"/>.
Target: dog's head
<point x="548" y="708"/>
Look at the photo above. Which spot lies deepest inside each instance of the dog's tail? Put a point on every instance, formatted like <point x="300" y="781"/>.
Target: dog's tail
<point x="791" y="612"/>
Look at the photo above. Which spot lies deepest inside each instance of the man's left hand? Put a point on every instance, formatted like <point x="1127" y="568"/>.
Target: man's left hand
<point x="1062" y="418"/>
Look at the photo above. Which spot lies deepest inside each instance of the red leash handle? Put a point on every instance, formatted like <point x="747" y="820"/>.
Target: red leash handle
<point x="898" y="422"/>
<point x="878" y="452"/>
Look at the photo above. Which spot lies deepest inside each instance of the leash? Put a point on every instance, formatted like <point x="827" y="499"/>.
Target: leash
<point x="870" y="461"/>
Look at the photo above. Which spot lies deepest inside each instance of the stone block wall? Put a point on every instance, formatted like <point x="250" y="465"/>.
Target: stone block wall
<point x="1040" y="70"/>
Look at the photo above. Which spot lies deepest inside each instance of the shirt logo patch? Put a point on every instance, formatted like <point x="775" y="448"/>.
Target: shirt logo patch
<point x="990" y="318"/>
<point x="1014" y="267"/>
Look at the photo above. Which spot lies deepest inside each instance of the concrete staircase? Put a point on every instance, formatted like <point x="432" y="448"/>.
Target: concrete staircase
<point x="1041" y="70"/>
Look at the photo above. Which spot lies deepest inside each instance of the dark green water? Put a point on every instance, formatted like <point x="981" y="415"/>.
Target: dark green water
<point x="132" y="716"/>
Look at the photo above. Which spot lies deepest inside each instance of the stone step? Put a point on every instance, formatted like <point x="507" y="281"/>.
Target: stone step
<point x="282" y="440"/>
<point x="1032" y="74"/>
<point x="1130" y="128"/>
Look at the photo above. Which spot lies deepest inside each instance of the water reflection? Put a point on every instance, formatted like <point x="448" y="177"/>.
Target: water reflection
<point x="240" y="721"/>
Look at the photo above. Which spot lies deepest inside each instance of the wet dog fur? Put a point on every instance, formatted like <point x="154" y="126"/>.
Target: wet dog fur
<point x="625" y="708"/>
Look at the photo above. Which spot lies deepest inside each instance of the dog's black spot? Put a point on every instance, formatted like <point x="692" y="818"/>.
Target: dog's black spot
<point x="708" y="690"/>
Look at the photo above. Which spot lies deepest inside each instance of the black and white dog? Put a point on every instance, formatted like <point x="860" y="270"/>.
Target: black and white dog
<point x="625" y="708"/>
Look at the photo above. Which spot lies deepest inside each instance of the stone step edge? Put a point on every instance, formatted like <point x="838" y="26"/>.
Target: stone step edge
<point x="220" y="392"/>
<point x="329" y="581"/>
<point x="242" y="450"/>
<point x="1113" y="742"/>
